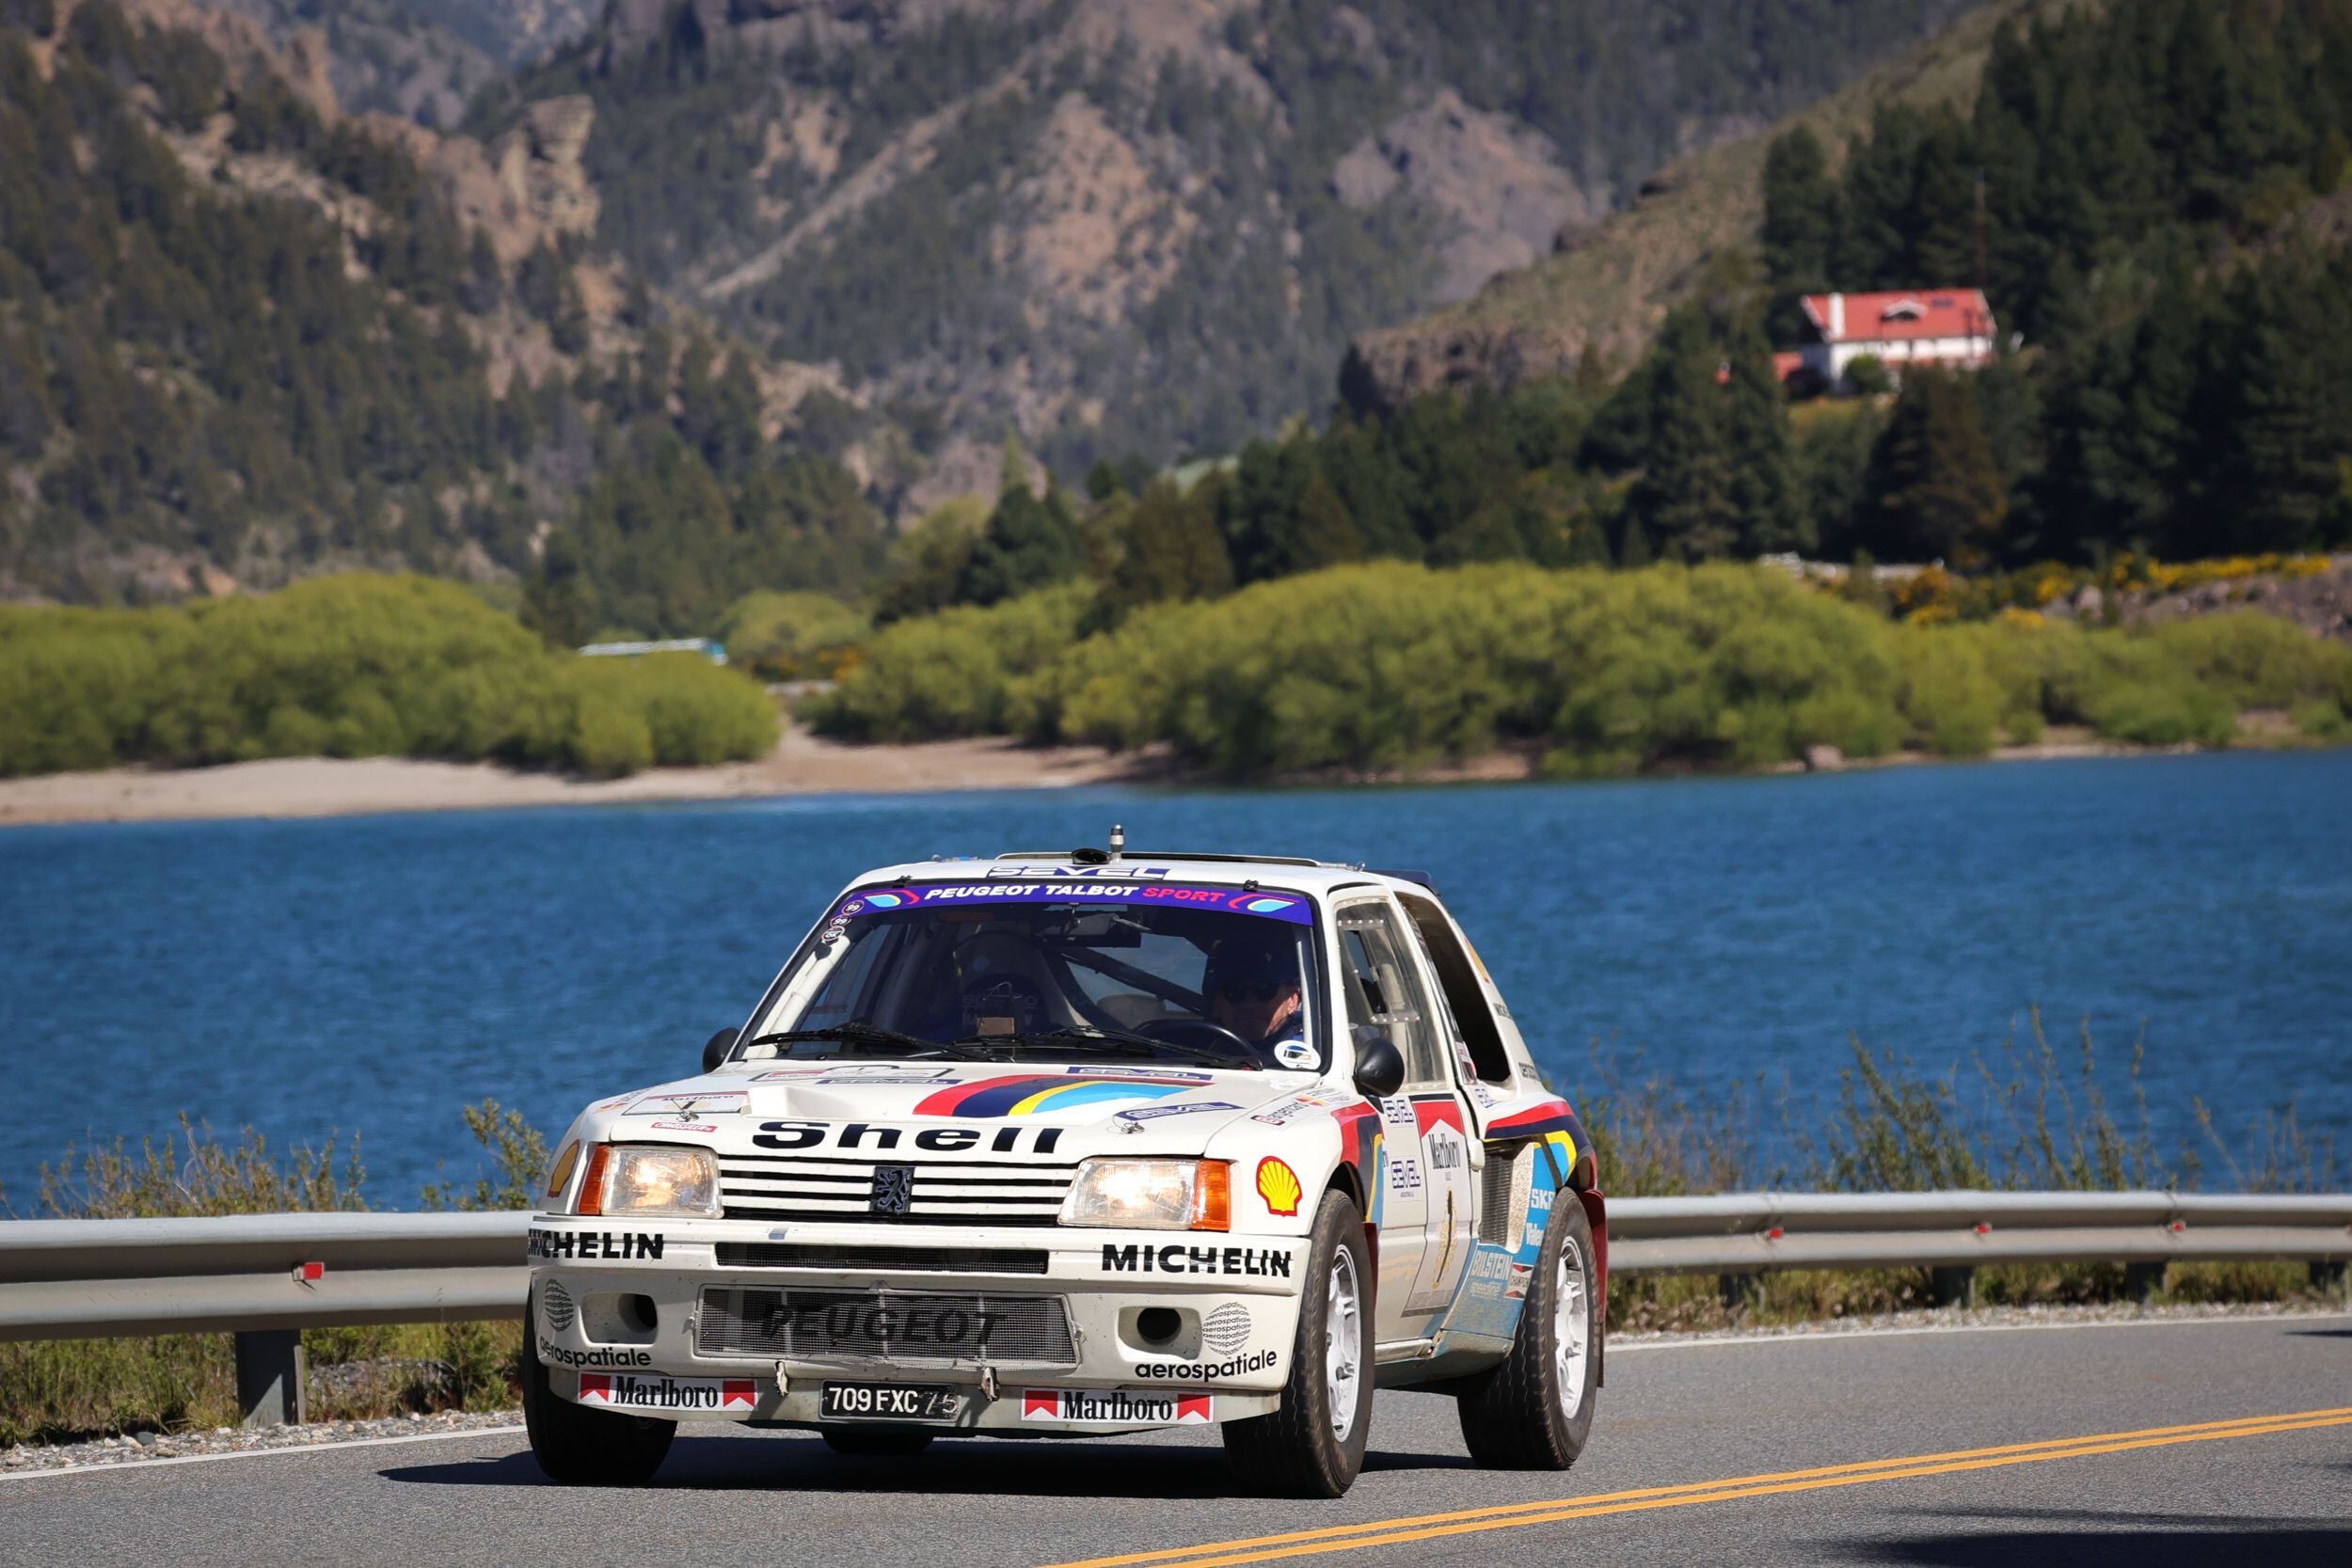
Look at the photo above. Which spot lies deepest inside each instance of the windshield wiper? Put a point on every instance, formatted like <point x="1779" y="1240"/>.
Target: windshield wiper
<point x="1087" y="1038"/>
<point x="858" y="1032"/>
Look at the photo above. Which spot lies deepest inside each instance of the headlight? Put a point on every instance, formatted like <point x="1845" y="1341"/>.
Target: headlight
<point x="1152" y="1195"/>
<point x="650" y="1178"/>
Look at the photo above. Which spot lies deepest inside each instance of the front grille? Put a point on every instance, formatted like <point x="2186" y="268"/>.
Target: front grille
<point x="944" y="1192"/>
<point x="915" y="1259"/>
<point x="914" y="1327"/>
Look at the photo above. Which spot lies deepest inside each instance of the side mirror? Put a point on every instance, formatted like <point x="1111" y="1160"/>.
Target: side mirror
<point x="716" y="1052"/>
<point x="1380" y="1067"/>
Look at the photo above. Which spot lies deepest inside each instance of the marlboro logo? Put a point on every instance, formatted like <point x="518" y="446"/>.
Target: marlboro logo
<point x="1122" y="1406"/>
<point x="623" y="1391"/>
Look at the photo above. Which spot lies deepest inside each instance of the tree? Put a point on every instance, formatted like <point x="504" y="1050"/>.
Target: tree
<point x="1933" y="490"/>
<point x="1684" y="499"/>
<point x="1173" y="550"/>
<point x="1030" y="541"/>
<point x="1765" y="490"/>
<point x="1800" y="213"/>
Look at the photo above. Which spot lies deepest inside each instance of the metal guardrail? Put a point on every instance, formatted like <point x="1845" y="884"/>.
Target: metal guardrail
<point x="264" y="1278"/>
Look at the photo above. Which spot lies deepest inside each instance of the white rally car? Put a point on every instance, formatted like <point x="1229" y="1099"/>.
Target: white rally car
<point x="1065" y="1145"/>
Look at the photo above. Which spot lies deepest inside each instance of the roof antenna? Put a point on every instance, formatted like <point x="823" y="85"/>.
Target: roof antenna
<point x="1119" y="839"/>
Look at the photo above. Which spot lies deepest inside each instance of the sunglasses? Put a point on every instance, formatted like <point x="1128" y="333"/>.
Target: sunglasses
<point x="1253" y="990"/>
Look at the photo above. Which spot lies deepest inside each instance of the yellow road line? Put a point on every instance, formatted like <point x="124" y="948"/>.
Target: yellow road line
<point x="1386" y="1532"/>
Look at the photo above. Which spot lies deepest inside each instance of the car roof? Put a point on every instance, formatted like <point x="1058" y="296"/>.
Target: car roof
<point x="1297" y="874"/>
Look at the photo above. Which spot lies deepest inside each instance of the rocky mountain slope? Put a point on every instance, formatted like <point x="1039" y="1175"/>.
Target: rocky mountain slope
<point x="421" y="60"/>
<point x="1145" y="226"/>
<point x="1607" y="286"/>
<point x="245" y="336"/>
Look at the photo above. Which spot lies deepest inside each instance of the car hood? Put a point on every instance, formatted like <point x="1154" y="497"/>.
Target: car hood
<point x="1143" y="1108"/>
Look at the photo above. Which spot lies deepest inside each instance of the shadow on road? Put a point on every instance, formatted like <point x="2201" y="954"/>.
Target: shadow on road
<point x="946" y="1469"/>
<point x="2111" y="1540"/>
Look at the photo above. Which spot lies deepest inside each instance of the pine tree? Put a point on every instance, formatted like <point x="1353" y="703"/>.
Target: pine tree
<point x="1173" y="550"/>
<point x="1684" y="499"/>
<point x="1031" y="542"/>
<point x="1800" y="213"/>
<point x="1754" y="432"/>
<point x="1933" y="490"/>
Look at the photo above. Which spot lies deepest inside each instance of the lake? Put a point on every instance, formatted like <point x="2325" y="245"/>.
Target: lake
<point x="369" y="976"/>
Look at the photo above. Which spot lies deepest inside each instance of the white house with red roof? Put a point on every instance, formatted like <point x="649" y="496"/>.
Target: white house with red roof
<point x="1899" y="327"/>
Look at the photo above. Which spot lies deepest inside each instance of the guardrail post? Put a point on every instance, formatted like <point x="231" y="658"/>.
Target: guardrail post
<point x="1740" y="1292"/>
<point x="1952" y="1285"/>
<point x="271" y="1371"/>
<point x="2330" y="1278"/>
<point x="2141" y="1281"/>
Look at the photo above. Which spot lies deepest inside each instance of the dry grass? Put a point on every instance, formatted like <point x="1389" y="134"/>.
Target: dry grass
<point x="58" y="1390"/>
<point x="2024" y="1116"/>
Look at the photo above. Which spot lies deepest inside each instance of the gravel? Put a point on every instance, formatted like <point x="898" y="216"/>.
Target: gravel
<point x="140" y="1447"/>
<point x="1994" y="1316"/>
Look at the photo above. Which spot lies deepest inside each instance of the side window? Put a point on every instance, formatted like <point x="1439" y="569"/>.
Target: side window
<point x="1383" y="992"/>
<point x="1458" y="987"/>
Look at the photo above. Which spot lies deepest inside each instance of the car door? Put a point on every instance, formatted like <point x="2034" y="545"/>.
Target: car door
<point x="1428" y="1209"/>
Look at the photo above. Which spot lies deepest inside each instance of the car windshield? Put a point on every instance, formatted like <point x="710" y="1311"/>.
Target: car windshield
<point x="1142" y="972"/>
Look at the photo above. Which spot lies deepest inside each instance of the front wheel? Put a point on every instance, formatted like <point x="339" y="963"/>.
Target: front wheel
<point x="576" y="1446"/>
<point x="1534" y="1410"/>
<point x="1315" y="1444"/>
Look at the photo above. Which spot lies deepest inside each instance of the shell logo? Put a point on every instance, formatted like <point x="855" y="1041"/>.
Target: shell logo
<point x="1279" y="1186"/>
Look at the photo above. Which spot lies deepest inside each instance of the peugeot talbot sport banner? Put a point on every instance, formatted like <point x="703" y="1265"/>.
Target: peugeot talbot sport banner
<point x="1290" y="907"/>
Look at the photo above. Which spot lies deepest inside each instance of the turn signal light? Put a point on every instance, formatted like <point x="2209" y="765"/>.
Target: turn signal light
<point x="592" y="1186"/>
<point x="1212" y="1196"/>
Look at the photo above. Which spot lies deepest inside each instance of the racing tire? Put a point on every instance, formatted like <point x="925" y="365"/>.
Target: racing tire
<point x="576" y="1446"/>
<point x="1314" y="1446"/>
<point x="875" y="1442"/>
<point x="1533" y="1410"/>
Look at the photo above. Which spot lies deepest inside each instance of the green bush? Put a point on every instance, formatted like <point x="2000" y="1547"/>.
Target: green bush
<point x="351" y="666"/>
<point x="1387" y="665"/>
<point x="950" y="673"/>
<point x="791" y="636"/>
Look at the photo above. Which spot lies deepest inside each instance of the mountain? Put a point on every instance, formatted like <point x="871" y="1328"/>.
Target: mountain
<point x="1608" y="285"/>
<point x="246" y="337"/>
<point x="421" y="60"/>
<point x="1143" y="226"/>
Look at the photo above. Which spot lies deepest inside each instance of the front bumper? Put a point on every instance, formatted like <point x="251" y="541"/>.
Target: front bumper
<point x="1039" y="1328"/>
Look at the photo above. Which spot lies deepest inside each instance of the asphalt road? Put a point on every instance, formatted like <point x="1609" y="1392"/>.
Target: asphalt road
<point x="2137" y="1444"/>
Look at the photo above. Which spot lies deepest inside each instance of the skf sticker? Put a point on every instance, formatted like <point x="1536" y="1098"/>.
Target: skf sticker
<point x="1279" y="1186"/>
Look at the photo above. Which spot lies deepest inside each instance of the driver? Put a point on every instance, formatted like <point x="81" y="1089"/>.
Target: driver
<point x="1252" y="987"/>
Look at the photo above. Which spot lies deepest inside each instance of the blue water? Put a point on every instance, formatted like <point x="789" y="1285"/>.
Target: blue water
<point x="368" y="976"/>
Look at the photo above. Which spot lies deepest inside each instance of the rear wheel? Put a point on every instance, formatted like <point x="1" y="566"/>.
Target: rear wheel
<point x="576" y="1446"/>
<point x="1534" y="1410"/>
<point x="875" y="1442"/>
<point x="1315" y="1444"/>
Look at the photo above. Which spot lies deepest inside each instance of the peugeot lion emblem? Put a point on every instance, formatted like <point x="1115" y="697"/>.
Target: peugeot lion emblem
<point x="894" y="1190"/>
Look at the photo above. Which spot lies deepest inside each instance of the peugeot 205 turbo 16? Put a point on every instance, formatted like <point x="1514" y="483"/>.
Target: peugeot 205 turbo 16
<point x="1066" y="1145"/>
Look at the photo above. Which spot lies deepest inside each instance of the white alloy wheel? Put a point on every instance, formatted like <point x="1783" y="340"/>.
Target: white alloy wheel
<point x="1571" y="1330"/>
<point x="1342" y="1343"/>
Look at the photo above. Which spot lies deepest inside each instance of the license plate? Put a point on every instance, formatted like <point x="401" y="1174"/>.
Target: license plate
<point x="889" y="1401"/>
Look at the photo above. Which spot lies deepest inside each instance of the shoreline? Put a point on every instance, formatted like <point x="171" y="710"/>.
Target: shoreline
<point x="802" y="764"/>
